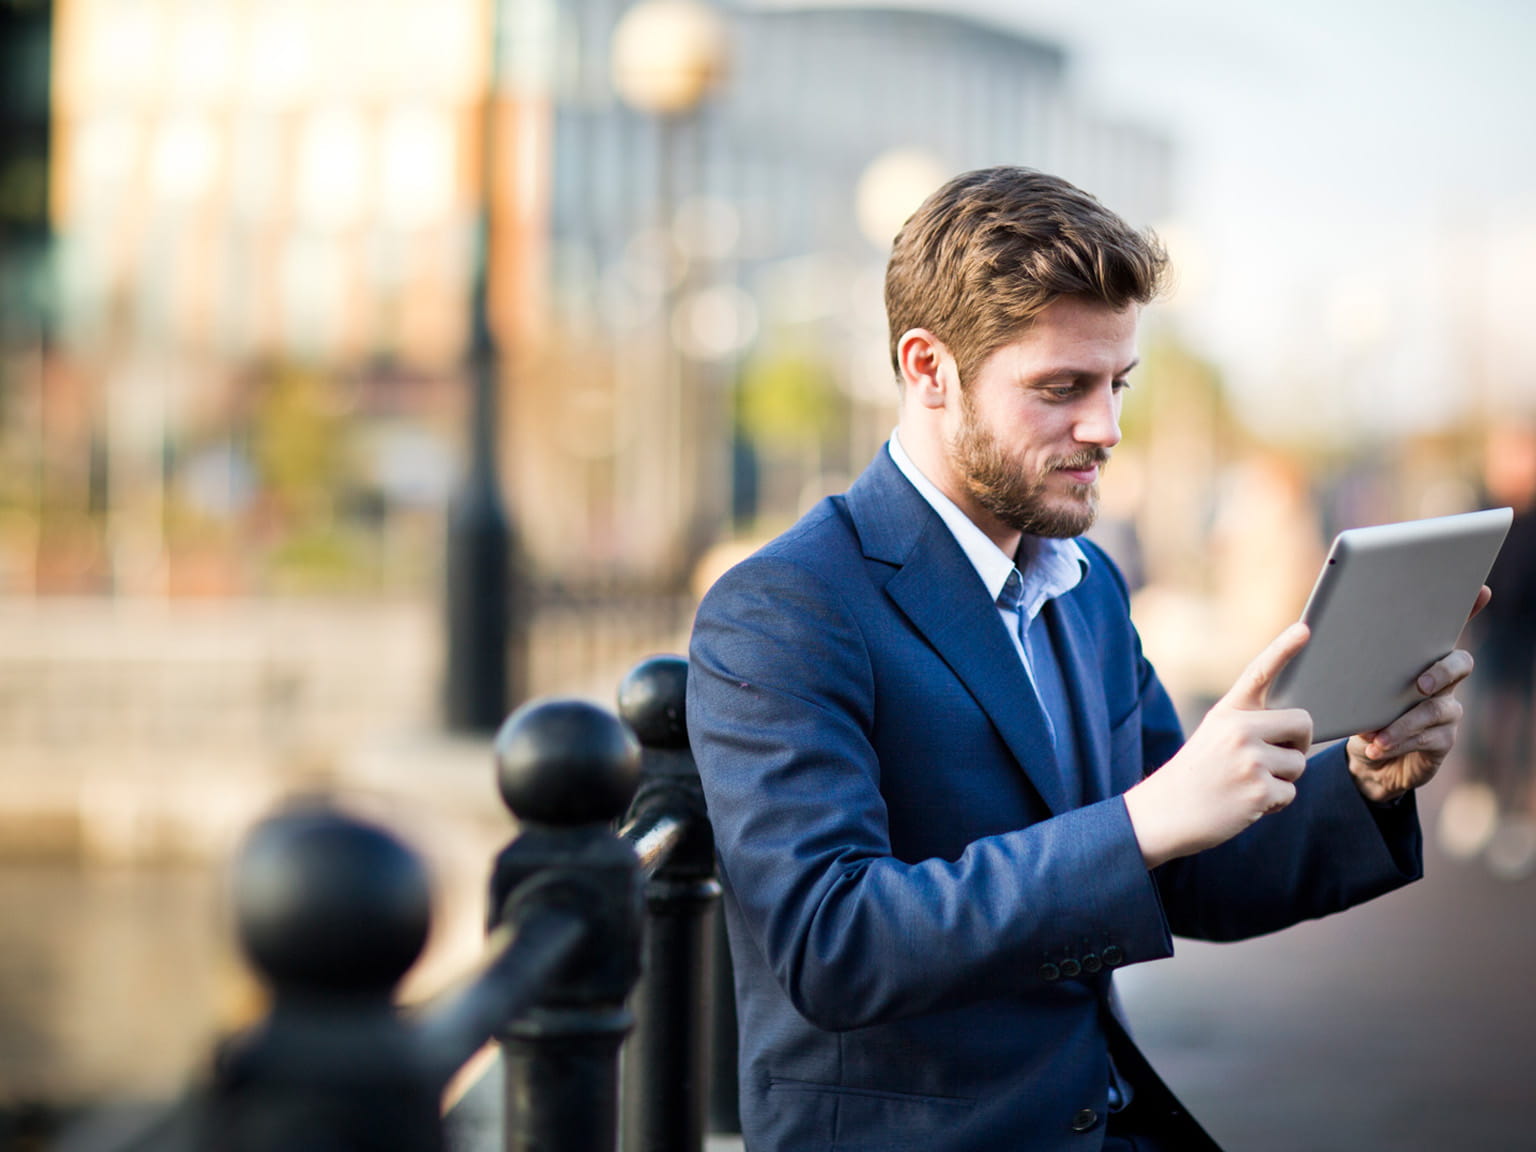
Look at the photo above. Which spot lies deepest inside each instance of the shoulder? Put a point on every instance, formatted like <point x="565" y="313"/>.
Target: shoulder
<point x="790" y="614"/>
<point x="808" y="589"/>
<point x="822" y="545"/>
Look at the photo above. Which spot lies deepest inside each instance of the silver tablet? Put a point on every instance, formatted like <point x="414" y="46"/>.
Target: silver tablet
<point x="1389" y="602"/>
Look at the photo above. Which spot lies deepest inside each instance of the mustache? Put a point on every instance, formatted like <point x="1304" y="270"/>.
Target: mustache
<point x="1088" y="458"/>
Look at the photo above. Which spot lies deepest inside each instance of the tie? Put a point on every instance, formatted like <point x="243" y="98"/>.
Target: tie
<point x="1012" y="599"/>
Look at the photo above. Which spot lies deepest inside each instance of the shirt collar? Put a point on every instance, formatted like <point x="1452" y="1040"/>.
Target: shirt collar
<point x="1049" y="566"/>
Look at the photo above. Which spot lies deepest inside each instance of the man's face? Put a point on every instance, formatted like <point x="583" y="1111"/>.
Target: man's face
<point x="1036" y="424"/>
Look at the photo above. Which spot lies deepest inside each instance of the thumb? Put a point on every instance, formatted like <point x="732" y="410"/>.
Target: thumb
<point x="1251" y="689"/>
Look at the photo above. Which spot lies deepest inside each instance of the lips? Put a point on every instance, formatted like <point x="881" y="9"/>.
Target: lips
<point x="1083" y="469"/>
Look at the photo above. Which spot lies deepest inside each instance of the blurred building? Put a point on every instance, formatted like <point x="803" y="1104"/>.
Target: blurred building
<point x="249" y="377"/>
<point x="26" y="54"/>
<point x="751" y="232"/>
<point x="257" y="292"/>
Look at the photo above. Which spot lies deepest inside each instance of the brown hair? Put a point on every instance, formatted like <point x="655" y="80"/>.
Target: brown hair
<point x="987" y="252"/>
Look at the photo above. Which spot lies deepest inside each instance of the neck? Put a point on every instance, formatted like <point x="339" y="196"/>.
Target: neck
<point x="925" y="447"/>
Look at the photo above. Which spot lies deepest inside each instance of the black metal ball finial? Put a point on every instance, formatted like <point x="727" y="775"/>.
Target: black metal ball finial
<point x="327" y="901"/>
<point x="651" y="700"/>
<point x="566" y="762"/>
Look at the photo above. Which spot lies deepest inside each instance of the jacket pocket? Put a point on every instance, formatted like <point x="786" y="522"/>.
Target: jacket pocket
<point x="867" y="1119"/>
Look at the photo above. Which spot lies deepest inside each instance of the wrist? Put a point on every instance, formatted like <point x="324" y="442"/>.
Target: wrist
<point x="1374" y="790"/>
<point x="1369" y="777"/>
<point x="1152" y="832"/>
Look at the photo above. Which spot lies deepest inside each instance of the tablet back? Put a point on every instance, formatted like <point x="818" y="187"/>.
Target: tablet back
<point x="1389" y="602"/>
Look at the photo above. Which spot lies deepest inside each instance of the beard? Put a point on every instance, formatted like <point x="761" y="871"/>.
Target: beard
<point x="1017" y="498"/>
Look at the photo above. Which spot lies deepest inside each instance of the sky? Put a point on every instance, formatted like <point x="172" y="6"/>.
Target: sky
<point x="1355" y="180"/>
<point x="1355" y="190"/>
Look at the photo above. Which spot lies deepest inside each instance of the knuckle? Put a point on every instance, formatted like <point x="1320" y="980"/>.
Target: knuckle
<point x="1440" y="711"/>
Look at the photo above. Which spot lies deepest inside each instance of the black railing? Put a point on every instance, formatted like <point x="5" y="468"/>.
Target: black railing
<point x="567" y="770"/>
<point x="332" y="912"/>
<point x="666" y="1082"/>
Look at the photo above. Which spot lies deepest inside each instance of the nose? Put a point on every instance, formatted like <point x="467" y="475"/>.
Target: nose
<point x="1099" y="420"/>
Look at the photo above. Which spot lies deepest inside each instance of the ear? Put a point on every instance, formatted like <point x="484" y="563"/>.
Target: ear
<point x="928" y="371"/>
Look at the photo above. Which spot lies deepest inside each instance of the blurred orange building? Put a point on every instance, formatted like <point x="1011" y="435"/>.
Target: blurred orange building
<point x="251" y="380"/>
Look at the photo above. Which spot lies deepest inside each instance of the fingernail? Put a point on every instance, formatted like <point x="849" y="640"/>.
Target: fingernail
<point x="1426" y="684"/>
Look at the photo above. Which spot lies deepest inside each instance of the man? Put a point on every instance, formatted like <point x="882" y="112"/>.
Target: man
<point x="949" y="795"/>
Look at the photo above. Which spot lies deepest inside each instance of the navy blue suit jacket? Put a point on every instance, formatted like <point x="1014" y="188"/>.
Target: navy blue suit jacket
<point x="924" y="913"/>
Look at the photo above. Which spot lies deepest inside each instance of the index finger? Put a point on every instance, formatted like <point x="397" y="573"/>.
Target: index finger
<point x="1445" y="673"/>
<point x="1251" y="689"/>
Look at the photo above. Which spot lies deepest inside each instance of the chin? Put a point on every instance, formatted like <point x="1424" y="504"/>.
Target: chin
<point x="1060" y="521"/>
<point x="1077" y="516"/>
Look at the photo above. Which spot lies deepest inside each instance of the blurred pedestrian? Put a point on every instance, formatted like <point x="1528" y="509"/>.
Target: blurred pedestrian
<point x="1493" y="808"/>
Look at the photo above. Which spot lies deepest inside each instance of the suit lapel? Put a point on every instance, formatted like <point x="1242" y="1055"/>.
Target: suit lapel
<point x="946" y="602"/>
<point x="938" y="590"/>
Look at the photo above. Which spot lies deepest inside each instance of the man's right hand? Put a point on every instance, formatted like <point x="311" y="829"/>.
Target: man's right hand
<point x="1240" y="764"/>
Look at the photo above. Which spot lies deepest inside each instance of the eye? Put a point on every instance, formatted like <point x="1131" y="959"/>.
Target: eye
<point x="1121" y="385"/>
<point x="1059" y="391"/>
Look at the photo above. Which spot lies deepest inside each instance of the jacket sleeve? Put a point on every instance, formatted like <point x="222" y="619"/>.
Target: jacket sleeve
<point x="1330" y="850"/>
<point x="781" y="706"/>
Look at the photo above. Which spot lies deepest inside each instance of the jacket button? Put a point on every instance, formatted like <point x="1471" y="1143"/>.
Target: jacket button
<point x="1071" y="969"/>
<point x="1049" y="972"/>
<point x="1084" y="1120"/>
<point x="1092" y="963"/>
<point x="1113" y="956"/>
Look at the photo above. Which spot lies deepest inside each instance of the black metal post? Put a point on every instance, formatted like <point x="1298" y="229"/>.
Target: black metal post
<point x="666" y="1072"/>
<point x="567" y="770"/>
<point x="724" y="1083"/>
<point x="454" y="1027"/>
<point x="487" y="603"/>
<point x="332" y="912"/>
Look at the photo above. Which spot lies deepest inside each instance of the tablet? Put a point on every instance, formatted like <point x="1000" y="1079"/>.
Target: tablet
<point x="1389" y="602"/>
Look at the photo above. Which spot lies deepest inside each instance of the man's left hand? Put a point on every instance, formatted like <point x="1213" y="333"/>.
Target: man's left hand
<point x="1408" y="752"/>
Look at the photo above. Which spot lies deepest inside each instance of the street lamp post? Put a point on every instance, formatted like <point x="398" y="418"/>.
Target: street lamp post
<point x="668" y="56"/>
<point x="486" y="596"/>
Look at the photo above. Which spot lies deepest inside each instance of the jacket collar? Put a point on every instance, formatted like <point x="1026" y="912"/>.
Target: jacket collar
<point x="937" y="588"/>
